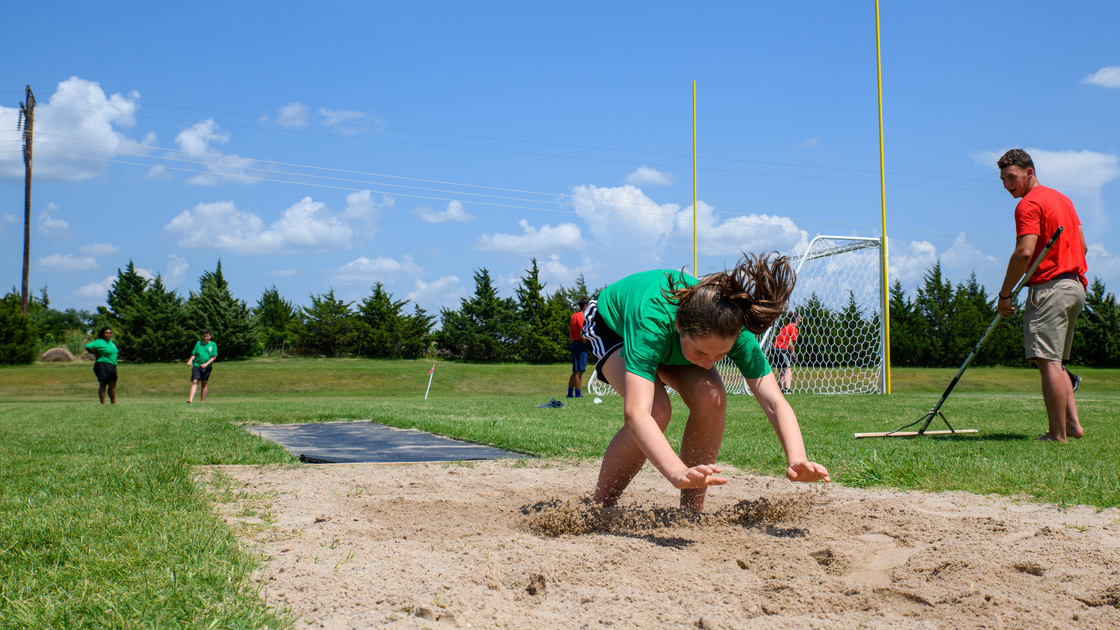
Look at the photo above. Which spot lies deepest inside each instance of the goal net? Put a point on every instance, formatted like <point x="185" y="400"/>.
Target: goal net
<point x="840" y="345"/>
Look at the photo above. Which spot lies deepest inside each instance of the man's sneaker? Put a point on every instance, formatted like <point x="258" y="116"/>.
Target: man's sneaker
<point x="1075" y="381"/>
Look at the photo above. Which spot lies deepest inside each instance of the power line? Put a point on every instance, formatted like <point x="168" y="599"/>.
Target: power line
<point x="706" y="158"/>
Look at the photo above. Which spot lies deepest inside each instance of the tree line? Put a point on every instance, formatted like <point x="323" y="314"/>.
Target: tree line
<point x="152" y="323"/>
<point x="937" y="327"/>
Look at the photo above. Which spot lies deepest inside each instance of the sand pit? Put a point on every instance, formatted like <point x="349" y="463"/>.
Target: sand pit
<point x="514" y="545"/>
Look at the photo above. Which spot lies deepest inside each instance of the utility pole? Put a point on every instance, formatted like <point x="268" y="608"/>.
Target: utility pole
<point x="26" y="113"/>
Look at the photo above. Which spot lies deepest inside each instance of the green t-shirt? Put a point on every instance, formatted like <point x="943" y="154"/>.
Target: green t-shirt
<point x="203" y="352"/>
<point x="636" y="308"/>
<point x="106" y="351"/>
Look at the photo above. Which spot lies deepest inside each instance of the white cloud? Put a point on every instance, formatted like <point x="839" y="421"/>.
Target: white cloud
<point x="80" y="111"/>
<point x="624" y="216"/>
<point x="95" y="291"/>
<point x="344" y="121"/>
<point x="962" y="258"/>
<point x="811" y="143"/>
<point x="547" y="239"/>
<point x="431" y="296"/>
<point x="454" y="212"/>
<point x="158" y="173"/>
<point x="50" y="226"/>
<point x="1103" y="265"/>
<point x="98" y="249"/>
<point x="197" y="142"/>
<point x="909" y="261"/>
<point x="649" y="176"/>
<point x="306" y="226"/>
<point x="292" y="115"/>
<point x="367" y="271"/>
<point x="362" y="212"/>
<point x="9" y="218"/>
<point x="282" y="273"/>
<point x="1108" y="77"/>
<point x="67" y="263"/>
<point x="738" y="234"/>
<point x="556" y="274"/>
<point x="176" y="271"/>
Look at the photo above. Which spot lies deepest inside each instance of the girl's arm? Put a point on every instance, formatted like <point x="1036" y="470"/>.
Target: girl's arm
<point x="637" y="412"/>
<point x="784" y="421"/>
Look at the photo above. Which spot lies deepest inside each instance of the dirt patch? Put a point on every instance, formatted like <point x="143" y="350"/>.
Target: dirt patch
<point x="516" y="545"/>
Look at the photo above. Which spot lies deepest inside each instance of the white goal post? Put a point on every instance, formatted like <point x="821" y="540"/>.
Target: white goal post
<point x="841" y="343"/>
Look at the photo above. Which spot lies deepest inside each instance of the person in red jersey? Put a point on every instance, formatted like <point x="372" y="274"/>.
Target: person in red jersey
<point x="1056" y="291"/>
<point x="579" y="351"/>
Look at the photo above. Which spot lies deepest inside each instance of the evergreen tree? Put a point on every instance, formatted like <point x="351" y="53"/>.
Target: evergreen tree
<point x="818" y="325"/>
<point x="855" y="331"/>
<point x="276" y="319"/>
<point x="229" y="320"/>
<point x="389" y="334"/>
<point x="935" y="304"/>
<point x="417" y="335"/>
<point x="329" y="327"/>
<point x="157" y="327"/>
<point x="573" y="295"/>
<point x="484" y="329"/>
<point x="18" y="345"/>
<point x="972" y="314"/>
<point x="544" y="333"/>
<point x="909" y="344"/>
<point x="123" y="300"/>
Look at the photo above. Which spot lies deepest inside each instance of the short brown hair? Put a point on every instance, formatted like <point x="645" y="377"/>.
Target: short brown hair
<point x="753" y="295"/>
<point x="1015" y="157"/>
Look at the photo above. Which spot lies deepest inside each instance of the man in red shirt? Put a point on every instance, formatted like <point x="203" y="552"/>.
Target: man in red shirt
<point x="1056" y="291"/>
<point x="579" y="351"/>
<point x="784" y="356"/>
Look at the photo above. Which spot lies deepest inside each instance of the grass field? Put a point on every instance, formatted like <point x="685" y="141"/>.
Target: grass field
<point x="103" y="526"/>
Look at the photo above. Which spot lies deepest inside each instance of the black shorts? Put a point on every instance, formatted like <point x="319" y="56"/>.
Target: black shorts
<point x="600" y="337"/>
<point x="782" y="358"/>
<point x="199" y="373"/>
<point x="105" y="372"/>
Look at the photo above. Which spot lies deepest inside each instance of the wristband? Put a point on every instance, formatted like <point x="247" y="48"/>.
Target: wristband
<point x="1005" y="297"/>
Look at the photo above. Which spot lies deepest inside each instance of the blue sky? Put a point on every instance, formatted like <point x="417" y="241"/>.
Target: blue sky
<point x="335" y="145"/>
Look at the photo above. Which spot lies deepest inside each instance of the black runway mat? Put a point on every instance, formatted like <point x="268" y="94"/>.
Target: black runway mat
<point x="366" y="442"/>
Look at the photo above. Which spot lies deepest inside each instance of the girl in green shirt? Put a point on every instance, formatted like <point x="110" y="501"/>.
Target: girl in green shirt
<point x="105" y="366"/>
<point x="664" y="328"/>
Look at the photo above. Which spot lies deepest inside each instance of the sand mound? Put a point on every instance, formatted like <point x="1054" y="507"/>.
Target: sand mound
<point x="516" y="545"/>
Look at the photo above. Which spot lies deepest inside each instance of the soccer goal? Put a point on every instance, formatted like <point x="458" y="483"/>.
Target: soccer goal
<point x="840" y="348"/>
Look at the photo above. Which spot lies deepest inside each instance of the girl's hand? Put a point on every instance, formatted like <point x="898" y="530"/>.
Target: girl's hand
<point x="700" y="476"/>
<point x="807" y="471"/>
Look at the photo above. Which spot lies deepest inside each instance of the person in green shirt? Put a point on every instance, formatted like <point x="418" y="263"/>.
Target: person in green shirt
<point x="665" y="328"/>
<point x="105" y="365"/>
<point x="203" y="355"/>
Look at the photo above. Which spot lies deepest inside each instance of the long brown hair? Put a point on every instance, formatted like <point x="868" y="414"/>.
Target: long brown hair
<point x="753" y="295"/>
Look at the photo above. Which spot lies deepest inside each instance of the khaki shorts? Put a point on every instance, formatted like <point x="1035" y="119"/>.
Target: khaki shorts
<point x="1051" y="312"/>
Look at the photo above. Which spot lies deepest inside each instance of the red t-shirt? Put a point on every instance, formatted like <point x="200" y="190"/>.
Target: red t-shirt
<point x="787" y="336"/>
<point x="1040" y="212"/>
<point x="576" y="324"/>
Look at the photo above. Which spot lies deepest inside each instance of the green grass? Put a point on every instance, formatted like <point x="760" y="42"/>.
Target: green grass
<point x="104" y="526"/>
